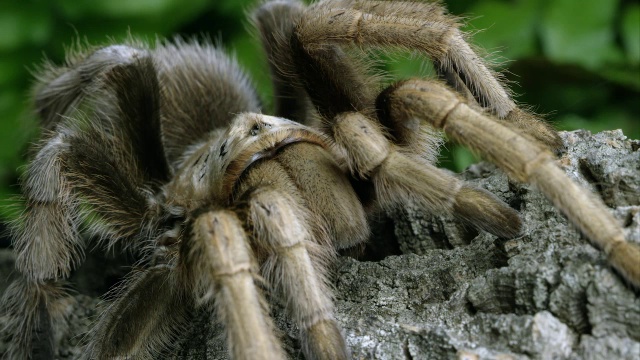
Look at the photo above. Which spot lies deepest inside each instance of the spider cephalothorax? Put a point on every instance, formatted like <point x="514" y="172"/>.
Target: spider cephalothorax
<point x="166" y="147"/>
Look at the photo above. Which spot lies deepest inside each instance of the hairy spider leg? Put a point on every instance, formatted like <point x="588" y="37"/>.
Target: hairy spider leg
<point x="424" y="27"/>
<point x="521" y="159"/>
<point x="203" y="88"/>
<point x="145" y="316"/>
<point x="91" y="155"/>
<point x="296" y="261"/>
<point x="224" y="272"/>
<point x="276" y="22"/>
<point x="339" y="86"/>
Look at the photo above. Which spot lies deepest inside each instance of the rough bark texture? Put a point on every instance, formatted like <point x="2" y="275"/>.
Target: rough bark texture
<point x="454" y="292"/>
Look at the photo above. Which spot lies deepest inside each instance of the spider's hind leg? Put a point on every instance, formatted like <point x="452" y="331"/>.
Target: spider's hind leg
<point x="145" y="318"/>
<point x="91" y="155"/>
<point x="400" y="176"/>
<point x="400" y="168"/>
<point x="31" y="312"/>
<point x="275" y="21"/>
<point x="520" y="158"/>
<point x="424" y="27"/>
<point x="60" y="89"/>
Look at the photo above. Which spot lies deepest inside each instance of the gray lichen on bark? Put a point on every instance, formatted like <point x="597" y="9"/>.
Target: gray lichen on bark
<point x="456" y="292"/>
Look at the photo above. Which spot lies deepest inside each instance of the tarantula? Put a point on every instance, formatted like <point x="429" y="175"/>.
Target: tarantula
<point x="165" y="151"/>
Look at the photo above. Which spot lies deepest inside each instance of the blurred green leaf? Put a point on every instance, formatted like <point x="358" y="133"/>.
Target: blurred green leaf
<point x="631" y="32"/>
<point x="462" y="158"/>
<point x="12" y="68"/>
<point x="152" y="16"/>
<point x="580" y="32"/>
<point x="15" y="132"/>
<point x="122" y="8"/>
<point x="23" y="24"/>
<point x="606" y="119"/>
<point x="247" y="51"/>
<point x="623" y="75"/>
<point x="15" y="127"/>
<point x="128" y="8"/>
<point x="403" y="66"/>
<point x="513" y="38"/>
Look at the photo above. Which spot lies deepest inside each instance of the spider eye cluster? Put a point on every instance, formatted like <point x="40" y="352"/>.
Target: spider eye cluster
<point x="255" y="129"/>
<point x="258" y="127"/>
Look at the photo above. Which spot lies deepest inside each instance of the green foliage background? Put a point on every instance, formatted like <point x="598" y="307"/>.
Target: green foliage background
<point x="576" y="60"/>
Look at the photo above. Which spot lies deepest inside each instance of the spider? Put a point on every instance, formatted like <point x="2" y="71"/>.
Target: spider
<point x="164" y="151"/>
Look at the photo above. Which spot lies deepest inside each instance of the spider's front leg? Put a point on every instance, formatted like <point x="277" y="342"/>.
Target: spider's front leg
<point x="293" y="249"/>
<point x="299" y="206"/>
<point x="295" y="265"/>
<point x="520" y="158"/>
<point x="222" y="268"/>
